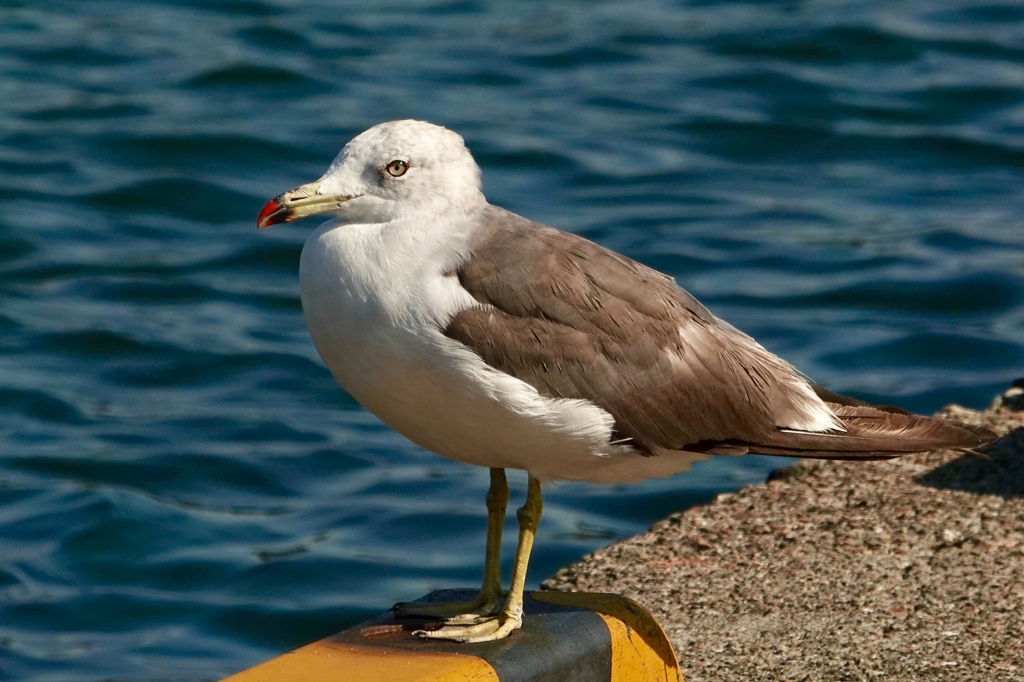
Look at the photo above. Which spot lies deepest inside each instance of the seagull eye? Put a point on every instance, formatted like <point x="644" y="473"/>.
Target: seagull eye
<point x="397" y="168"/>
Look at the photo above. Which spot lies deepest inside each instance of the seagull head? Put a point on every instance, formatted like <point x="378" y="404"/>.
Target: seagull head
<point x="393" y="171"/>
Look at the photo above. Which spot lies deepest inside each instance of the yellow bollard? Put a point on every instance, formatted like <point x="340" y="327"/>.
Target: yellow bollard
<point x="577" y="636"/>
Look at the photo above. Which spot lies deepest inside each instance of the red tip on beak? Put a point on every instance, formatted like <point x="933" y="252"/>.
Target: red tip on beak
<point x="266" y="216"/>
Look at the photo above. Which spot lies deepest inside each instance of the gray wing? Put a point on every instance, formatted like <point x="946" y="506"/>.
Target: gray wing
<point x="575" y="320"/>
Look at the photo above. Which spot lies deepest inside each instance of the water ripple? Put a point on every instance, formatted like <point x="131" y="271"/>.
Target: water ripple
<point x="182" y="485"/>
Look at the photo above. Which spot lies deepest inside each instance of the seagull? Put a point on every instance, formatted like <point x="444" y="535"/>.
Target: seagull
<point x="497" y="341"/>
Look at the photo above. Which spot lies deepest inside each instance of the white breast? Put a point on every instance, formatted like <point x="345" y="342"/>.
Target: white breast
<point x="375" y="299"/>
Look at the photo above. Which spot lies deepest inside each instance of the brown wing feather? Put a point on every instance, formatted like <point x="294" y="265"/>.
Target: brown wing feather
<point x="584" y="322"/>
<point x="871" y="433"/>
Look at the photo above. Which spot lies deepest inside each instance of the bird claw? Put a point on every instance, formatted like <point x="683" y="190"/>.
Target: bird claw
<point x="486" y="629"/>
<point x="451" y="613"/>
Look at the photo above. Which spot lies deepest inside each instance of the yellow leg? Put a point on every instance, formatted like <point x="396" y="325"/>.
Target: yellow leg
<point x="511" y="615"/>
<point x="497" y="502"/>
<point x="490" y="590"/>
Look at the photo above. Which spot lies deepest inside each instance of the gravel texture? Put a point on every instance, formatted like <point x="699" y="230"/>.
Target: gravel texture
<point x="910" y="569"/>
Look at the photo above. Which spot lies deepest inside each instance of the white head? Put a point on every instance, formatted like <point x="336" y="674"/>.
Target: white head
<point x="394" y="170"/>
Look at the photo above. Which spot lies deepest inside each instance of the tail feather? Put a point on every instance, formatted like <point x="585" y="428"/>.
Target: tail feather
<point x="871" y="433"/>
<point x="831" y="397"/>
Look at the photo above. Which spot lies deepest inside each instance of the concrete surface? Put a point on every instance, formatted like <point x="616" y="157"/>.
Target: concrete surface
<point x="911" y="569"/>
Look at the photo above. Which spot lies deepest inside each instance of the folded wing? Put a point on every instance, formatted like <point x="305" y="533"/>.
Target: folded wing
<point x="575" y="320"/>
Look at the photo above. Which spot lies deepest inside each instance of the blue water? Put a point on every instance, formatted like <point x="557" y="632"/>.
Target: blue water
<point x="183" y="489"/>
